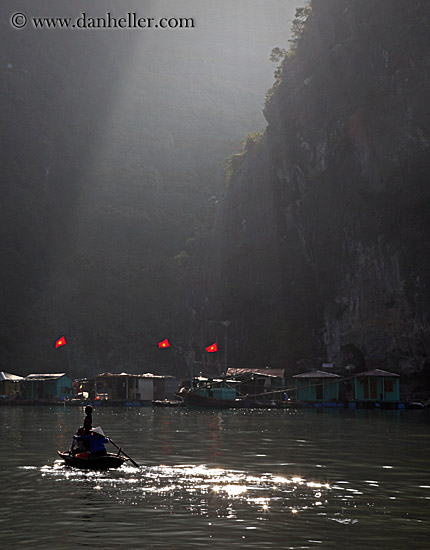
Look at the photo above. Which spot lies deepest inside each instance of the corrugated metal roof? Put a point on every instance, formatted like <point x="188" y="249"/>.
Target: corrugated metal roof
<point x="272" y="373"/>
<point x="46" y="376"/>
<point x="150" y="375"/>
<point x="107" y="374"/>
<point x="10" y="377"/>
<point x="146" y="375"/>
<point x="377" y="372"/>
<point x="215" y="381"/>
<point x="112" y="375"/>
<point x="316" y="374"/>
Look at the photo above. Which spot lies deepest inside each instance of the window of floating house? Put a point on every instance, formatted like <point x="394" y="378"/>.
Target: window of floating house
<point x="388" y="386"/>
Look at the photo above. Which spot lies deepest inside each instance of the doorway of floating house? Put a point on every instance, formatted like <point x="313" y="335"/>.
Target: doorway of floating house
<point x="373" y="388"/>
<point x="370" y="388"/>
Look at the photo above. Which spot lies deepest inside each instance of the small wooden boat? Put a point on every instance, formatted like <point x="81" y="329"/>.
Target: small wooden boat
<point x="109" y="460"/>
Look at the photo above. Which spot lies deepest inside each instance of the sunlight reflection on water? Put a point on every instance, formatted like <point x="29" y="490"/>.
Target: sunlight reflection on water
<point x="211" y="487"/>
<point x="265" y="479"/>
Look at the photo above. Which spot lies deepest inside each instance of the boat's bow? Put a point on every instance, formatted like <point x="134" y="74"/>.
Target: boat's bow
<point x="104" y="462"/>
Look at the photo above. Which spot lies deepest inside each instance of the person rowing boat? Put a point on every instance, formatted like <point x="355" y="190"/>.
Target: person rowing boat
<point x="88" y="420"/>
<point x="94" y="442"/>
<point x="78" y="446"/>
<point x="96" y="457"/>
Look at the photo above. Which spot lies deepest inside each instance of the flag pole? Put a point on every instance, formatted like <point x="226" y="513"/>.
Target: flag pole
<point x="191" y="374"/>
<point x="225" y="353"/>
<point x="225" y="324"/>
<point x="70" y="364"/>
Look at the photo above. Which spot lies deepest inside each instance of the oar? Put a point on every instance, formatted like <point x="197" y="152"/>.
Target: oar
<point x="129" y="457"/>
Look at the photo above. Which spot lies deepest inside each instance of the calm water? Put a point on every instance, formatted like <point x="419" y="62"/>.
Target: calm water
<point x="221" y="479"/>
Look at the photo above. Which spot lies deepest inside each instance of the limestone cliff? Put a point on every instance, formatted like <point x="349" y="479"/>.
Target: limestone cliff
<point x="320" y="246"/>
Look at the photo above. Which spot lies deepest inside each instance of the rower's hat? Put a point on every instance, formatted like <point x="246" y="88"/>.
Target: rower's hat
<point x="98" y="430"/>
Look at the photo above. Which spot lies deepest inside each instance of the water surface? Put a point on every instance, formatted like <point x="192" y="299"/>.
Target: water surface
<point x="222" y="479"/>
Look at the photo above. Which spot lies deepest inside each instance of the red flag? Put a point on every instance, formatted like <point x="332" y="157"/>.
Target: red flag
<point x="212" y="348"/>
<point x="164" y="344"/>
<point x="60" y="342"/>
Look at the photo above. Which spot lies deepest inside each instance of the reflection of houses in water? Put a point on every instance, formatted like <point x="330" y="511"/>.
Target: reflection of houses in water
<point x="131" y="387"/>
<point x="47" y="386"/>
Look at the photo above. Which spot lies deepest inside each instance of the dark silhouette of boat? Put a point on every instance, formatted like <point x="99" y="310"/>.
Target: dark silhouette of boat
<point x="223" y="393"/>
<point x="105" y="462"/>
<point x="209" y="392"/>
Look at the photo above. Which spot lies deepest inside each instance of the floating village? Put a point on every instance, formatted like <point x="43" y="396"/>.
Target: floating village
<point x="235" y="388"/>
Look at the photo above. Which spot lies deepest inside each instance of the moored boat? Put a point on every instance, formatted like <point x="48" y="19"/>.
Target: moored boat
<point x="105" y="462"/>
<point x="214" y="393"/>
<point x="231" y="393"/>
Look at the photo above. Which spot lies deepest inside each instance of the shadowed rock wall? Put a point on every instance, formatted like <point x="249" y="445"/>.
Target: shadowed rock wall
<point x="320" y="248"/>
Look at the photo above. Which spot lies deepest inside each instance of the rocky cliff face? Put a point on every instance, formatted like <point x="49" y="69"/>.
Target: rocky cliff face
<point x="320" y="248"/>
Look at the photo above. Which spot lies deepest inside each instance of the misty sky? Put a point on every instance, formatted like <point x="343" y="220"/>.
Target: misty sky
<point x="115" y="144"/>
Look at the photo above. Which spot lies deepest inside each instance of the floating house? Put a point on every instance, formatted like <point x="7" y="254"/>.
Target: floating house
<point x="10" y="385"/>
<point x="131" y="387"/>
<point x="153" y="387"/>
<point x="48" y="386"/>
<point x="317" y="386"/>
<point x="377" y="386"/>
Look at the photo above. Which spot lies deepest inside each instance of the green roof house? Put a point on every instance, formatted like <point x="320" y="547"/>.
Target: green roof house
<point x="317" y="386"/>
